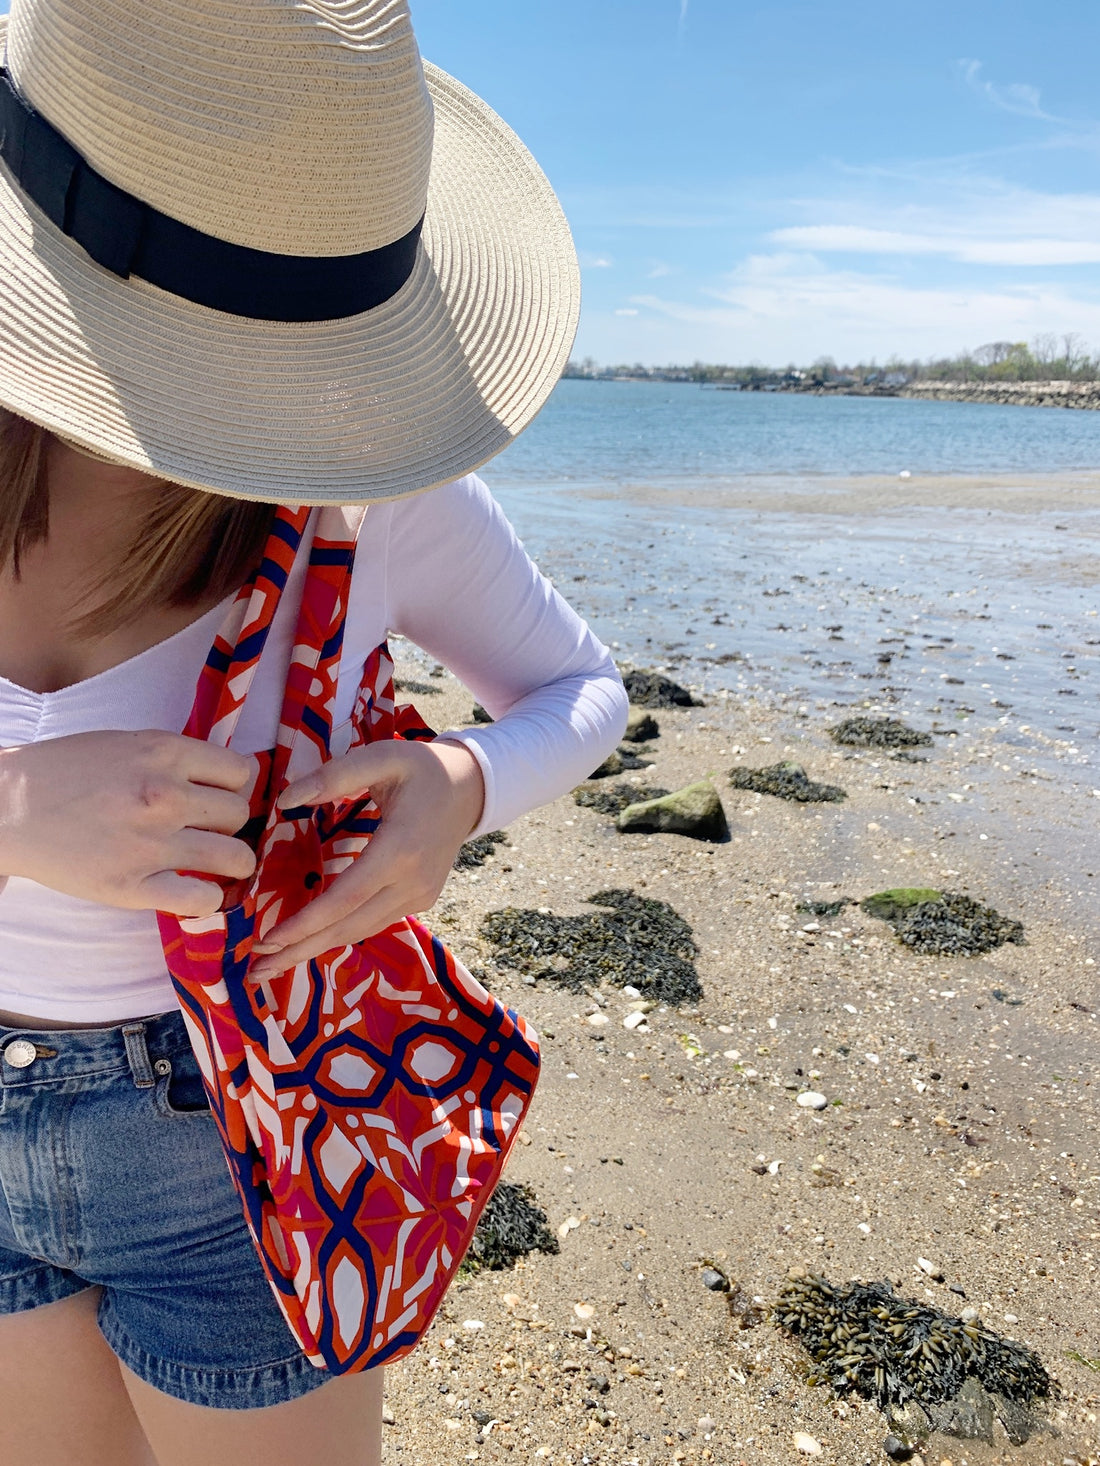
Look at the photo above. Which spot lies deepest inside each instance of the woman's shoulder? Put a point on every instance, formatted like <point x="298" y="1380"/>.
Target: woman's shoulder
<point x="461" y="495"/>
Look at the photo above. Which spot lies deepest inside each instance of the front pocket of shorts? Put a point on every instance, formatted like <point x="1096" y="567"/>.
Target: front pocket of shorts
<point x="179" y="1094"/>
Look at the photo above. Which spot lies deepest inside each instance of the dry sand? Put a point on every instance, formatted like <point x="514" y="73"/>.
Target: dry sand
<point x="961" y="1128"/>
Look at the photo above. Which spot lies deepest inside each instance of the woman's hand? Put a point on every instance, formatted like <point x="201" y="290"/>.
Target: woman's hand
<point x="430" y="796"/>
<point x="114" y="817"/>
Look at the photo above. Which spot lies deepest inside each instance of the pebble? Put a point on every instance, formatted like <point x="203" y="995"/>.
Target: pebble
<point x="569" y="1225"/>
<point x="387" y="1416"/>
<point x="707" y="1425"/>
<point x="634" y="1020"/>
<point x="806" y="1444"/>
<point x="583" y="1310"/>
<point x="597" y="1020"/>
<point x="473" y="1324"/>
<point x="711" y="1278"/>
<point x="809" y="1099"/>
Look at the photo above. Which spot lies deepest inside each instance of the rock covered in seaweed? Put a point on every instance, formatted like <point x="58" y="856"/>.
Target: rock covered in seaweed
<point x="786" y="780"/>
<point x="956" y="925"/>
<point x="476" y="852"/>
<point x="942" y="923"/>
<point x="861" y="732"/>
<point x="633" y="940"/>
<point x="864" y="1337"/>
<point x="614" y="799"/>
<point x="695" y="811"/>
<point x="511" y="1226"/>
<point x="618" y="760"/>
<point x="897" y="903"/>
<point x="647" y="689"/>
<point x="640" y="725"/>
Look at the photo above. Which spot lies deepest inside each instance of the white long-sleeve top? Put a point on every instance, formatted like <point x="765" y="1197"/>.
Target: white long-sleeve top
<point x="443" y="568"/>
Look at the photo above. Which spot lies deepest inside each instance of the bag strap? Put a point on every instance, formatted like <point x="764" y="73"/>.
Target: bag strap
<point x="230" y="667"/>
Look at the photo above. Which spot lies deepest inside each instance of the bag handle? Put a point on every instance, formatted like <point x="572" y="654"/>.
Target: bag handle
<point x="230" y="667"/>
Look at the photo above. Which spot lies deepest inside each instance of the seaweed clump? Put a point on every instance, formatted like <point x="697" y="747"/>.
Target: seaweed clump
<point x="878" y="733"/>
<point x="866" y="1338"/>
<point x="651" y="690"/>
<point x="511" y="1226"/>
<point x="632" y="940"/>
<point x="476" y="852"/>
<point x="943" y="923"/>
<point x="787" y="781"/>
<point x="615" y="799"/>
<point x="824" y="908"/>
<point x="956" y="925"/>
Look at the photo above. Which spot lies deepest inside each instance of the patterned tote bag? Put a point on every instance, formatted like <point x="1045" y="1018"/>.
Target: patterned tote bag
<point x="366" y="1100"/>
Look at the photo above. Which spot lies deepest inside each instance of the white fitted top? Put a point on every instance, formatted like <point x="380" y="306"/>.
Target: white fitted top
<point x="443" y="568"/>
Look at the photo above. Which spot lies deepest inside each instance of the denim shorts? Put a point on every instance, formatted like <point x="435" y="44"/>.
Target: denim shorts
<point x="112" y="1173"/>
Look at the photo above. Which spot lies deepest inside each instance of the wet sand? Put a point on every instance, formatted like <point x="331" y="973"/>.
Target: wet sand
<point x="961" y="1124"/>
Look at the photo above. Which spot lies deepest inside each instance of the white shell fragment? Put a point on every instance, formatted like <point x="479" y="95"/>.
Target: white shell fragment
<point x="809" y="1099"/>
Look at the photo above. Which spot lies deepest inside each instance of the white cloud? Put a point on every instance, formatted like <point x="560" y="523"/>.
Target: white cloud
<point x="660" y="270"/>
<point x="787" y="307"/>
<point x="594" y="262"/>
<point x="1017" y="97"/>
<point x="974" y="250"/>
<point x="626" y="311"/>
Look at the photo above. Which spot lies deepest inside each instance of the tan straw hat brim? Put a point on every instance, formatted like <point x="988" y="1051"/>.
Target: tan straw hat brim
<point x="411" y="394"/>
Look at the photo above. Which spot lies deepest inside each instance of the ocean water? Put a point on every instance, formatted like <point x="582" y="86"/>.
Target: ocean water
<point x="721" y="536"/>
<point x="670" y="432"/>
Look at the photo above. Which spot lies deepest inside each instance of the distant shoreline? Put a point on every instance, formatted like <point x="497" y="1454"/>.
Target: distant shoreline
<point x="1083" y="396"/>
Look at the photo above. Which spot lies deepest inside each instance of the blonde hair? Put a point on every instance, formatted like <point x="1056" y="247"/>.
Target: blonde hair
<point x="188" y="546"/>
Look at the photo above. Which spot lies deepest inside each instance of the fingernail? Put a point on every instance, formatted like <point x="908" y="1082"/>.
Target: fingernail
<point x="267" y="949"/>
<point x="302" y="794"/>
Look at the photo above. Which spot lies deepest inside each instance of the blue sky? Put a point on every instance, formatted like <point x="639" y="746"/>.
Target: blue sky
<point x="774" y="180"/>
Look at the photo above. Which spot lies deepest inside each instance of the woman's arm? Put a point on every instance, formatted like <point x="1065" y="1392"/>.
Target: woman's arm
<point x="460" y="584"/>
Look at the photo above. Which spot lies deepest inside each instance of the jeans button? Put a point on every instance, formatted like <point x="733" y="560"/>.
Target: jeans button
<point x="20" y="1053"/>
<point x="162" y="1066"/>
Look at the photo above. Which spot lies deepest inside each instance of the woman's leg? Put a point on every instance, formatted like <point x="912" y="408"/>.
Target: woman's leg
<point x="62" y="1400"/>
<point x="340" y="1425"/>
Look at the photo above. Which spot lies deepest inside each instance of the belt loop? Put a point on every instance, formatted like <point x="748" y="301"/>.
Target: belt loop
<point x="138" y="1054"/>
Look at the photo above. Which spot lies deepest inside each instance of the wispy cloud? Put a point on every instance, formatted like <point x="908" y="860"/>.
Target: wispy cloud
<point x="1016" y="97"/>
<point x="852" y="239"/>
<point x="791" y="307"/>
<point x="594" y="262"/>
<point x="682" y="24"/>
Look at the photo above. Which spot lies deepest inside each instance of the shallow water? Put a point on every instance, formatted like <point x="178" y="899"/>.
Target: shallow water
<point x="668" y="433"/>
<point x="766" y="544"/>
<point x="947" y="613"/>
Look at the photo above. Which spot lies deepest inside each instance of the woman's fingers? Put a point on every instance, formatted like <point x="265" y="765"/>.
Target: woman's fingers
<point x="375" y="915"/>
<point x="207" y="763"/>
<point x="376" y="868"/>
<point x="213" y="855"/>
<point x="351" y="776"/>
<point x="179" y="895"/>
<point x="215" y="809"/>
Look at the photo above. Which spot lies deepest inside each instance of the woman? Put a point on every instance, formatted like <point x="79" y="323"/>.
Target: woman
<point x="249" y="259"/>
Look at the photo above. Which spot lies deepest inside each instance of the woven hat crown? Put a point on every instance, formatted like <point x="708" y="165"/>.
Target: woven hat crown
<point x="299" y="128"/>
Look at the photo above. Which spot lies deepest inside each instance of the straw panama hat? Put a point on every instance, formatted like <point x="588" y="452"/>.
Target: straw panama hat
<point x="256" y="247"/>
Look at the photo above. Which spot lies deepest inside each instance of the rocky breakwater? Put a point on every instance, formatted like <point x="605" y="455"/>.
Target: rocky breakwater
<point x="1015" y="394"/>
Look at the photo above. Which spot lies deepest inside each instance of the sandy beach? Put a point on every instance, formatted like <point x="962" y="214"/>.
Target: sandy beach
<point x="959" y="1127"/>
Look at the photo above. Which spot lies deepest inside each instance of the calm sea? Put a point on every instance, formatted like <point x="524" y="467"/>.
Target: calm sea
<point x="623" y="432"/>
<point x="667" y="514"/>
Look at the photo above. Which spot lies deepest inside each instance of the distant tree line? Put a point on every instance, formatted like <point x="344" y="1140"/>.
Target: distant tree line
<point x="1048" y="358"/>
